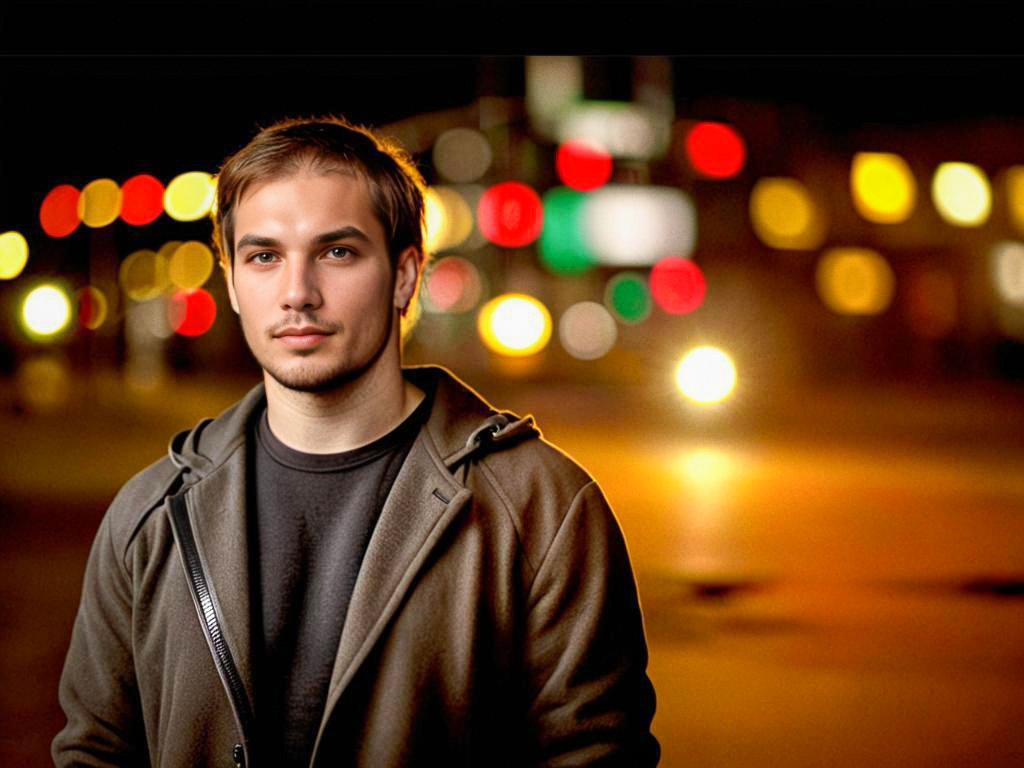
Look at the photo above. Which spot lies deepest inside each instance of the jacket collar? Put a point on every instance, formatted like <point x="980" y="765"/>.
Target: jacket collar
<point x="426" y="498"/>
<point x="460" y="423"/>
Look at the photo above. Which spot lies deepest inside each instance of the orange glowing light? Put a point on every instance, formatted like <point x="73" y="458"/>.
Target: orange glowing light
<point x="58" y="214"/>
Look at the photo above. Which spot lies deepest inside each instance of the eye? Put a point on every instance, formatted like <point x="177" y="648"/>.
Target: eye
<point x="340" y="252"/>
<point x="261" y="257"/>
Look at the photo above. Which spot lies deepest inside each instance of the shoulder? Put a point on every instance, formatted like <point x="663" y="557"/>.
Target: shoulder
<point x="540" y="488"/>
<point x="192" y="454"/>
<point x="535" y="470"/>
<point x="136" y="499"/>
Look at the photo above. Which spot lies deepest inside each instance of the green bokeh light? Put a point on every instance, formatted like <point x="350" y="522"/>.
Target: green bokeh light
<point x="628" y="297"/>
<point x="563" y="247"/>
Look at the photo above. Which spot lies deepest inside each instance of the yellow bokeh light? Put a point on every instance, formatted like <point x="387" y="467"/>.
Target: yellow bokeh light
<point x="514" y="324"/>
<point x="962" y="194"/>
<point x="213" y="197"/>
<point x="706" y="375"/>
<point x="143" y="275"/>
<point x="189" y="196"/>
<point x="449" y="220"/>
<point x="855" y="281"/>
<point x="190" y="265"/>
<point x="434" y="218"/>
<point x="1013" y="179"/>
<point x="883" y="187"/>
<point x="13" y="254"/>
<point x="100" y="203"/>
<point x="46" y="311"/>
<point x="784" y="215"/>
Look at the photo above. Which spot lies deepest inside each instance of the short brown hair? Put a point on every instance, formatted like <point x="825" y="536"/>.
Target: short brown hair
<point x="397" y="189"/>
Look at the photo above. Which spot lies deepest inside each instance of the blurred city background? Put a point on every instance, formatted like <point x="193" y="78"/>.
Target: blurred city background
<point x="775" y="305"/>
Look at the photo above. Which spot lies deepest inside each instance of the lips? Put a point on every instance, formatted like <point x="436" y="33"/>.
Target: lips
<point x="302" y="337"/>
<point x="305" y="330"/>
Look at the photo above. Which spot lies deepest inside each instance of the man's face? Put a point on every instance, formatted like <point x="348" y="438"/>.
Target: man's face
<point x="312" y="282"/>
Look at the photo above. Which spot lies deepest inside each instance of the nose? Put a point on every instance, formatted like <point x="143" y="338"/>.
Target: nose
<point x="301" y="288"/>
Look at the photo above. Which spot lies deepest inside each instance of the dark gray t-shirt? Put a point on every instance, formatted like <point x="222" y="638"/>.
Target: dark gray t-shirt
<point x="313" y="517"/>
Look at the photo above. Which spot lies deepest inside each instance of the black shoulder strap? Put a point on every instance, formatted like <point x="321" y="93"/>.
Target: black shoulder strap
<point x="491" y="434"/>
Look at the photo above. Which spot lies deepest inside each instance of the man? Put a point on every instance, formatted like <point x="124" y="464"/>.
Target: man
<point x="356" y="564"/>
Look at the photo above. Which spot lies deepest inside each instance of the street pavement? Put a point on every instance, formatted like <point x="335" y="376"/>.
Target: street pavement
<point x="837" y="580"/>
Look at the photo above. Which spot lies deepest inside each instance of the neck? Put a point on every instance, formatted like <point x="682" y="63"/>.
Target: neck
<point x="342" y="419"/>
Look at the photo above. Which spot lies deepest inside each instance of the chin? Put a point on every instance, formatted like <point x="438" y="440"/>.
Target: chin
<point x="315" y="380"/>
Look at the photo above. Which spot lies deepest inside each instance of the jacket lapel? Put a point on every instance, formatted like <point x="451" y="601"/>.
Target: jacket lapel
<point x="217" y="508"/>
<point x="423" y="502"/>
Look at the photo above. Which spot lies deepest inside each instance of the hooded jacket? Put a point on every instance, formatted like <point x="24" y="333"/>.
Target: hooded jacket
<point x="494" y="621"/>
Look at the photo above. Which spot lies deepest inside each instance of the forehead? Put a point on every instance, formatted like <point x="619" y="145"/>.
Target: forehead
<point x="307" y="202"/>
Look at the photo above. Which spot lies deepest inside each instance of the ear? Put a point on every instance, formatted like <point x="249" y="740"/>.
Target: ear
<point x="406" y="272"/>
<point x="229" y="278"/>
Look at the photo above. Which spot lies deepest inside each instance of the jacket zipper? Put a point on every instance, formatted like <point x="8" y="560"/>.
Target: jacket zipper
<point x="210" y="621"/>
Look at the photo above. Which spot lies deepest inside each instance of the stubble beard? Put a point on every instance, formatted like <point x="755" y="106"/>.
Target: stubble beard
<point x="315" y="379"/>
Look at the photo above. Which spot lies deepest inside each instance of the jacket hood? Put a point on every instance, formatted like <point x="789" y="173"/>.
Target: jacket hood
<point x="461" y="424"/>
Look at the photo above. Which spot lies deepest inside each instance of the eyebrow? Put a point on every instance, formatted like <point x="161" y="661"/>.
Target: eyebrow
<point x="345" y="233"/>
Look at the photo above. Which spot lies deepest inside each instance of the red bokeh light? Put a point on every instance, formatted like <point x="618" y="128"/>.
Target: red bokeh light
<point x="90" y="309"/>
<point x="447" y="284"/>
<point x="582" y="166"/>
<point x="716" y="150"/>
<point x="510" y="214"/>
<point x="677" y="285"/>
<point x="192" y="312"/>
<point x="143" y="200"/>
<point x="58" y="214"/>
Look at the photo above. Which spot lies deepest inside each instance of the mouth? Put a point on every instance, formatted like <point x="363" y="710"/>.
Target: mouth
<point x="302" y="337"/>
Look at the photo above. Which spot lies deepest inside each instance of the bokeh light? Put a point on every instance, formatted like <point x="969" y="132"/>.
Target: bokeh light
<point x="58" y="214"/>
<point x="462" y="154"/>
<point x="143" y="275"/>
<point x="784" y="216"/>
<point x="587" y="330"/>
<point x="189" y="196"/>
<point x="45" y="311"/>
<point x="167" y="250"/>
<point x="883" y="187"/>
<point x="510" y="214"/>
<point x="99" y="204"/>
<point x="1006" y="266"/>
<point x="706" y="375"/>
<point x="628" y="297"/>
<point x="514" y="324"/>
<point x="449" y="219"/>
<point x="630" y="225"/>
<point x="962" y="194"/>
<point x="623" y="129"/>
<point x="931" y="303"/>
<point x="150" y="318"/>
<point x="1013" y="180"/>
<point x="452" y="285"/>
<point x="13" y="254"/>
<point x="91" y="304"/>
<point x="43" y="383"/>
<point x="190" y="265"/>
<point x="142" y="200"/>
<point x="583" y="166"/>
<point x="563" y="246"/>
<point x="855" y="281"/>
<point x="677" y="285"/>
<point x="715" y="150"/>
<point x="192" y="313"/>
<point x="553" y="83"/>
